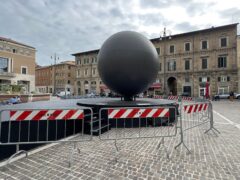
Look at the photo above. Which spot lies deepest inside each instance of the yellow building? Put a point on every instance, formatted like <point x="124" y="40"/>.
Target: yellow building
<point x="17" y="64"/>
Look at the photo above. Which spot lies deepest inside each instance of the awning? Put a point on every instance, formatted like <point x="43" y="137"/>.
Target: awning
<point x="103" y="87"/>
<point x="156" y="85"/>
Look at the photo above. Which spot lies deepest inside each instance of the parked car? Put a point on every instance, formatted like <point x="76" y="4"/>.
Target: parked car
<point x="63" y="93"/>
<point x="237" y="95"/>
<point x="221" y="96"/>
<point x="91" y="95"/>
<point x="226" y="96"/>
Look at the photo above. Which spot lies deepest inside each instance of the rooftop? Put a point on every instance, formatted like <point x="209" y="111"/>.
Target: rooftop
<point x="15" y="42"/>
<point x="176" y="35"/>
<point x="69" y="62"/>
<point x="199" y="31"/>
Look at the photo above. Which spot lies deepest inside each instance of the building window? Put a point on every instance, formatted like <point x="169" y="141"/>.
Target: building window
<point x="69" y="82"/>
<point x="223" y="90"/>
<point x="187" y="46"/>
<point x="158" y="50"/>
<point x="223" y="42"/>
<point x="204" y="79"/>
<point x="79" y="61"/>
<point x="187" y="64"/>
<point x="78" y="73"/>
<point x="204" y="45"/>
<point x="14" y="51"/>
<point x="187" y="79"/>
<point x="79" y="83"/>
<point x="204" y="63"/>
<point x="171" y="49"/>
<point x="3" y="64"/>
<point x="172" y="66"/>
<point x="94" y="71"/>
<point x="1" y="47"/>
<point x="222" y="61"/>
<point x="86" y="72"/>
<point x="23" y="70"/>
<point x="223" y="78"/>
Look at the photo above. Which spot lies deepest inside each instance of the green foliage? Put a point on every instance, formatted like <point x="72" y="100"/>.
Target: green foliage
<point x="16" y="88"/>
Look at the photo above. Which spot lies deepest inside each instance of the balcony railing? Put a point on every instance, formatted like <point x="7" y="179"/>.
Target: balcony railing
<point x="7" y="74"/>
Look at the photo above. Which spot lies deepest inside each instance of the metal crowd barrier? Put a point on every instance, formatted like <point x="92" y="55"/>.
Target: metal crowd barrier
<point x="135" y="123"/>
<point x="193" y="115"/>
<point x="176" y="98"/>
<point x="41" y="126"/>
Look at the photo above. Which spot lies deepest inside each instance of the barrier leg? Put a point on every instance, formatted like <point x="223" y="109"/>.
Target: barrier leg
<point x="117" y="149"/>
<point x="181" y="130"/>
<point x="18" y="152"/>
<point x="182" y="142"/>
<point x="211" y="121"/>
<point x="70" y="159"/>
<point x="165" y="148"/>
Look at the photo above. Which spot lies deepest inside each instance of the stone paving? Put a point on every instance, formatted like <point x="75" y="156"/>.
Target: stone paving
<point x="211" y="157"/>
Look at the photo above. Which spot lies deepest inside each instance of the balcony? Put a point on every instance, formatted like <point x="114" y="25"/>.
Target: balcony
<point x="7" y="74"/>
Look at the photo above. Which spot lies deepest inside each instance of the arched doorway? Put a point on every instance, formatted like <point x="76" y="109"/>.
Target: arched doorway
<point x="86" y="87"/>
<point x="172" y="85"/>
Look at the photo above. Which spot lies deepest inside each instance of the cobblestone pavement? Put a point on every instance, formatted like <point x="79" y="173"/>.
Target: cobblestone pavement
<point x="211" y="157"/>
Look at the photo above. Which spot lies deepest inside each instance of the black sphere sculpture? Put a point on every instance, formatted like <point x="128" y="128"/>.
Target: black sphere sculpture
<point x="128" y="63"/>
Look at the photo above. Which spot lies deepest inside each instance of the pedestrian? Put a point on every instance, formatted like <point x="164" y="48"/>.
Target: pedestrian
<point x="231" y="96"/>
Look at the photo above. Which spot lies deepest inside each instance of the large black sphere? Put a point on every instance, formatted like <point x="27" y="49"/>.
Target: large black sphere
<point x="128" y="63"/>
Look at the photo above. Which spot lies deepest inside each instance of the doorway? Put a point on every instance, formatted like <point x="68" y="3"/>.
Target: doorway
<point x="172" y="85"/>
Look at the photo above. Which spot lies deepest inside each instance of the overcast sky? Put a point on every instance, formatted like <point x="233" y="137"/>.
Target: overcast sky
<point x="70" y="26"/>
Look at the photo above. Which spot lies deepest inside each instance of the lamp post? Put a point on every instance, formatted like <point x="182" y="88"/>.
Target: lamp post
<point x="54" y="72"/>
<point x="164" y="35"/>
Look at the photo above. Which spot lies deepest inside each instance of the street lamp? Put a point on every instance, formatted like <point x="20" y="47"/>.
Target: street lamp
<point x="54" y="72"/>
<point x="164" y="35"/>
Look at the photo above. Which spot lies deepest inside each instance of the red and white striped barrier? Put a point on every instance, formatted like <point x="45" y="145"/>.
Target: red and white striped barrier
<point x="172" y="97"/>
<point x="195" y="108"/>
<point x="138" y="113"/>
<point x="37" y="115"/>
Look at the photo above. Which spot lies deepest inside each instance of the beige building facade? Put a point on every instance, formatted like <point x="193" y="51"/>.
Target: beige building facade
<point x="17" y="64"/>
<point x="56" y="78"/>
<point x="87" y="77"/>
<point x="187" y="61"/>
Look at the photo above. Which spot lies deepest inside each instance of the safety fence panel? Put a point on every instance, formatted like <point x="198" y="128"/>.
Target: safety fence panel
<point x="135" y="122"/>
<point x="195" y="114"/>
<point x="176" y="98"/>
<point x="33" y="126"/>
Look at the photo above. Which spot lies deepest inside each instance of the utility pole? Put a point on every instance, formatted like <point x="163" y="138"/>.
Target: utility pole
<point x="54" y="72"/>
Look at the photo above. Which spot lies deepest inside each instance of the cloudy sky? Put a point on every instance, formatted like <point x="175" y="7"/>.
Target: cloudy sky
<point x="69" y="26"/>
